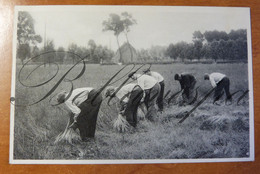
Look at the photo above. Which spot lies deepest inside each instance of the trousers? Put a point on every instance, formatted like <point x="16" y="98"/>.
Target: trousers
<point x="160" y="96"/>
<point x="150" y="99"/>
<point x="132" y="105"/>
<point x="222" y="85"/>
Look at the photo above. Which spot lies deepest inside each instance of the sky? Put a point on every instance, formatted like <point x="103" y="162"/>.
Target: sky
<point x="156" y="25"/>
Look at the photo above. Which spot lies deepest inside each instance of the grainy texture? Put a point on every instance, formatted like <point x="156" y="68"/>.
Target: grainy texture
<point x="6" y="24"/>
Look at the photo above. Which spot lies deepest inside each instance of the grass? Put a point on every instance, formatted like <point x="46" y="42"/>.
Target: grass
<point x="210" y="132"/>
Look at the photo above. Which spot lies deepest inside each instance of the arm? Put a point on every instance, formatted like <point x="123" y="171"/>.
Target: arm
<point x="140" y="82"/>
<point x="73" y="108"/>
<point x="182" y="84"/>
<point x="193" y="82"/>
<point x="212" y="81"/>
<point x="142" y="100"/>
<point x="121" y="106"/>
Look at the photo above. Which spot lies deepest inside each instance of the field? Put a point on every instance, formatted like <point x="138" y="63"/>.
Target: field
<point x="211" y="131"/>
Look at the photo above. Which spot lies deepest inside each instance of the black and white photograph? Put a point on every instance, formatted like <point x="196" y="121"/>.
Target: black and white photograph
<point x="131" y="84"/>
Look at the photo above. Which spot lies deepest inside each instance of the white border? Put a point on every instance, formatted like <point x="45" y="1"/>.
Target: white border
<point x="251" y="107"/>
<point x="12" y="111"/>
<point x="251" y="95"/>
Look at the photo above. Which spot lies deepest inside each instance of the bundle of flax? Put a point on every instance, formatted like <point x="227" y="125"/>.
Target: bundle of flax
<point x="68" y="135"/>
<point x="121" y="124"/>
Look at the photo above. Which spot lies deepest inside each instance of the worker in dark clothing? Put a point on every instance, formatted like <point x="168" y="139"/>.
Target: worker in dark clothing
<point x="83" y="104"/>
<point x="187" y="82"/>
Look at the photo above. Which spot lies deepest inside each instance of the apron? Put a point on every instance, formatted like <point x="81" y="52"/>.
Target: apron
<point x="87" y="118"/>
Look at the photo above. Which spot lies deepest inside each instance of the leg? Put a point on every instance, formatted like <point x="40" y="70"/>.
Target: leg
<point x="160" y="97"/>
<point x="132" y="106"/>
<point x="143" y="107"/>
<point x="146" y="97"/>
<point x="226" y="88"/>
<point x="218" y="91"/>
<point x="191" y="92"/>
<point x="151" y="110"/>
<point x="185" y="95"/>
<point x="192" y="87"/>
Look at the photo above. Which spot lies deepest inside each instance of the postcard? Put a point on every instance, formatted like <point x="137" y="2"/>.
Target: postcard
<point x="131" y="84"/>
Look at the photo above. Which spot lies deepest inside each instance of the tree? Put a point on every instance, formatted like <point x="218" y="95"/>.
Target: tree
<point x="171" y="51"/>
<point x="128" y="21"/>
<point x="230" y="46"/>
<point x="50" y="50"/>
<point x="214" y="50"/>
<point x="188" y="51"/>
<point x="157" y="52"/>
<point x="210" y="36"/>
<point x="240" y="49"/>
<point x="72" y="48"/>
<point x="26" y="35"/>
<point x="144" y="55"/>
<point x="60" y="55"/>
<point x="238" y="34"/>
<point x="115" y="24"/>
<point x="23" y="52"/>
<point x="36" y="54"/>
<point x="206" y="51"/>
<point x="181" y="49"/>
<point x="98" y="54"/>
<point x="108" y="54"/>
<point x="198" y="39"/>
<point x="92" y="46"/>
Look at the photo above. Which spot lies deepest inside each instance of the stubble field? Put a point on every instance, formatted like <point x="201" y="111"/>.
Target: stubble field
<point x="211" y="131"/>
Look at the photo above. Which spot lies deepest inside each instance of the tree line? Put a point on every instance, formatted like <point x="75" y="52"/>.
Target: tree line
<point x="211" y="45"/>
<point x="28" y="41"/>
<point x="48" y="54"/>
<point x="207" y="46"/>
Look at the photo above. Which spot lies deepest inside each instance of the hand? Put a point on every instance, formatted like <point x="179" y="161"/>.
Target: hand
<point x="73" y="126"/>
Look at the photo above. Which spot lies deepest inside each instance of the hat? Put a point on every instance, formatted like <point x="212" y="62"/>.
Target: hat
<point x="61" y="97"/>
<point x="176" y="77"/>
<point x="131" y="74"/>
<point x="109" y="91"/>
<point x="206" y="76"/>
<point x="146" y="70"/>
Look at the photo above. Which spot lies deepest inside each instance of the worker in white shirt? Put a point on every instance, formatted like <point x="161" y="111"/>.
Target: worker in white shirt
<point x="129" y="97"/>
<point x="151" y="89"/>
<point x="219" y="81"/>
<point x="84" y="104"/>
<point x="160" y="80"/>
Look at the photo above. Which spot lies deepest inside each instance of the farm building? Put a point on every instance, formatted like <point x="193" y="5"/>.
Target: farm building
<point x="127" y="56"/>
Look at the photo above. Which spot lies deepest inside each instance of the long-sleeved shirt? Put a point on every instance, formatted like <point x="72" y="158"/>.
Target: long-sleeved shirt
<point x="125" y="91"/>
<point x="215" y="78"/>
<point x="78" y="96"/>
<point x="157" y="76"/>
<point x="187" y="80"/>
<point x="145" y="81"/>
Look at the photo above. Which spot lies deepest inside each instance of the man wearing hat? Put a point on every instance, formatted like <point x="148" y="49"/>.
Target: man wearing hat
<point x="84" y="104"/>
<point x="129" y="97"/>
<point x="220" y="82"/>
<point x="160" y="80"/>
<point x="151" y="89"/>
<point x="187" y="82"/>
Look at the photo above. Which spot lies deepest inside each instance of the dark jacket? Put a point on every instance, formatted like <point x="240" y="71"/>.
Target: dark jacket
<point x="187" y="81"/>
